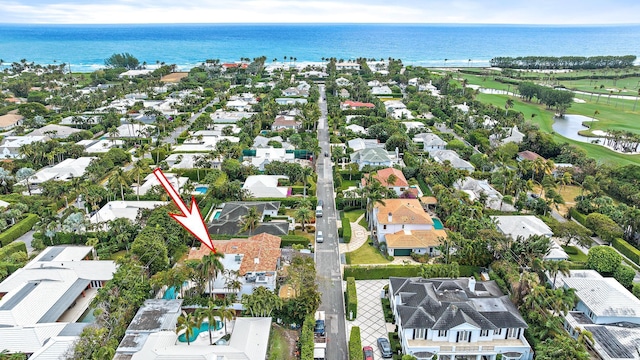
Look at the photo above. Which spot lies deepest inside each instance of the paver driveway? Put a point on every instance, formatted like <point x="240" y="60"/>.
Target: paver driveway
<point x="370" y="317"/>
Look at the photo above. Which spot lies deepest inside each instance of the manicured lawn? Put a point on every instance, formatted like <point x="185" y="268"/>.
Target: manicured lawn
<point x="353" y="215"/>
<point x="363" y="223"/>
<point x="579" y="257"/>
<point x="365" y="254"/>
<point x="349" y="183"/>
<point x="279" y="345"/>
<point x="544" y="119"/>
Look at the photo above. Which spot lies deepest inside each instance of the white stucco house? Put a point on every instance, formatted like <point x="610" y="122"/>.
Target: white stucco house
<point x="457" y="319"/>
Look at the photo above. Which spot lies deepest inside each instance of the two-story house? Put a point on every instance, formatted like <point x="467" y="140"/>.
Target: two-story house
<point x="406" y="227"/>
<point x="607" y="310"/>
<point x="457" y="319"/>
<point x="375" y="156"/>
<point x="430" y="142"/>
<point x="391" y="178"/>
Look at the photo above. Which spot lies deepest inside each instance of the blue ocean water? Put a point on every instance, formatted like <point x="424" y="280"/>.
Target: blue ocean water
<point x="86" y="46"/>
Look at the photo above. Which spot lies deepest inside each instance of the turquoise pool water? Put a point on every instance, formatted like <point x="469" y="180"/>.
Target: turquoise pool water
<point x="196" y="331"/>
<point x="201" y="189"/>
<point x="437" y="224"/>
<point x="88" y="316"/>
<point x="170" y="293"/>
<point x="217" y="214"/>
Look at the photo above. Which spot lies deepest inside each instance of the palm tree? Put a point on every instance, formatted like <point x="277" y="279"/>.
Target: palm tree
<point x="225" y="314"/>
<point x="555" y="267"/>
<point x="119" y="178"/>
<point x="209" y="312"/>
<point x="139" y="169"/>
<point x="508" y="105"/>
<point x="24" y="174"/>
<point x="593" y="118"/>
<point x="188" y="323"/>
<point x="212" y="266"/>
<point x="303" y="215"/>
<point x="251" y="220"/>
<point x="114" y="133"/>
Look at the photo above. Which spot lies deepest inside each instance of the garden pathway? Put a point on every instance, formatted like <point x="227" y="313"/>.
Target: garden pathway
<point x="359" y="236"/>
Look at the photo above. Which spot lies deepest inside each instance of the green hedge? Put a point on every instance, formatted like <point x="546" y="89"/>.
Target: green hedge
<point x="627" y="250"/>
<point x="291" y="201"/>
<point x="290" y="240"/>
<point x="14" y="247"/>
<point x="192" y="174"/>
<point x="19" y="229"/>
<point x="354" y="176"/>
<point x="346" y="230"/>
<point x="306" y="338"/>
<point x="578" y="216"/>
<point x="384" y="272"/>
<point x="351" y="299"/>
<point x="355" y="344"/>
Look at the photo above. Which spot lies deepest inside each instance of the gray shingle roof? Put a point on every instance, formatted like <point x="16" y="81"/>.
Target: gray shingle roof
<point x="442" y="304"/>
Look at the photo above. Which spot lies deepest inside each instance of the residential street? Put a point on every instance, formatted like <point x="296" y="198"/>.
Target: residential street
<point x="327" y="256"/>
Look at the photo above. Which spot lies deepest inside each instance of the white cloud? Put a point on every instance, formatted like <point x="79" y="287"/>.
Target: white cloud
<point x="333" y="11"/>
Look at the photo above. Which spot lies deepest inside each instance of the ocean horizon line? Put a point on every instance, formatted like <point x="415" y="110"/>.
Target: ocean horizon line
<point x="330" y="24"/>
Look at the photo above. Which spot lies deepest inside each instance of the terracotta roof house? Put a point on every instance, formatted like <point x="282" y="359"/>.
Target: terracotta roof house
<point x="457" y="319"/>
<point x="528" y="155"/>
<point x="400" y="184"/>
<point x="406" y="227"/>
<point x="256" y="259"/>
<point x="284" y="122"/>
<point x="8" y="121"/>
<point x="354" y="105"/>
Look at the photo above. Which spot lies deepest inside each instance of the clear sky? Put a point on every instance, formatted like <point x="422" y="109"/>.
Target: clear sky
<point x="320" y="11"/>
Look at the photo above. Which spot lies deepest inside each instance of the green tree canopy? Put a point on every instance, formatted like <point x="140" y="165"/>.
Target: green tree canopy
<point x="123" y="60"/>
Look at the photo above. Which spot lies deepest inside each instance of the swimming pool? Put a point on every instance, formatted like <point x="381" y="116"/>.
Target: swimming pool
<point x="216" y="215"/>
<point x="88" y="316"/>
<point x="170" y="294"/>
<point x="201" y="189"/>
<point x="204" y="327"/>
<point x="437" y="224"/>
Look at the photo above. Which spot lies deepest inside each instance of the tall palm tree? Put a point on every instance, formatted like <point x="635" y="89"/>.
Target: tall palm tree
<point x="555" y="267"/>
<point x="508" y="105"/>
<point x="212" y="266"/>
<point x="25" y="174"/>
<point x="188" y="322"/>
<point x="251" y="220"/>
<point x="225" y="315"/>
<point x="304" y="215"/>
<point x="119" y="178"/>
<point x="209" y="312"/>
<point x="139" y="169"/>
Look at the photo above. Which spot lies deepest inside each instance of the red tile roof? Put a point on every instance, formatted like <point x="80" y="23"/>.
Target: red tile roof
<point x="264" y="247"/>
<point x="234" y="65"/>
<point x="383" y="175"/>
<point x="357" y="104"/>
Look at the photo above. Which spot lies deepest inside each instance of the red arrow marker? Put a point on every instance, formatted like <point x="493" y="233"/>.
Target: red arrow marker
<point x="190" y="219"/>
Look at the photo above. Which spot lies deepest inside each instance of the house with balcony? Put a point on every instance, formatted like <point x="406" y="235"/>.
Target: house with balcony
<point x="405" y="227"/>
<point x="457" y="319"/>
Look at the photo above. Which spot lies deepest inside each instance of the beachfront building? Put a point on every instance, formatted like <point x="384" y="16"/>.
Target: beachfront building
<point x="457" y="319"/>
<point x="44" y="303"/>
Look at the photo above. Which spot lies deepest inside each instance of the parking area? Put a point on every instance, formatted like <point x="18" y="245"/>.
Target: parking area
<point x="370" y="318"/>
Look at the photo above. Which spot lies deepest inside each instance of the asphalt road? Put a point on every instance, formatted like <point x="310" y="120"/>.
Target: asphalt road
<point x="327" y="254"/>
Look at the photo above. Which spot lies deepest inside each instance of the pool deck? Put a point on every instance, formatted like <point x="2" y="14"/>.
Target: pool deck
<point x="203" y="337"/>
